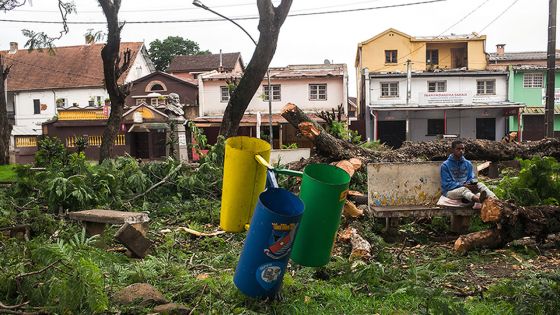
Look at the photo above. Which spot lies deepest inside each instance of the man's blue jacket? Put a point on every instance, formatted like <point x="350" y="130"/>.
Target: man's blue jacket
<point x="455" y="173"/>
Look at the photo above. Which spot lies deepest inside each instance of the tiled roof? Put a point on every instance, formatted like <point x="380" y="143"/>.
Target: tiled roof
<point x="68" y="67"/>
<point x="202" y="63"/>
<point x="293" y="71"/>
<point x="538" y="110"/>
<point x="523" y="55"/>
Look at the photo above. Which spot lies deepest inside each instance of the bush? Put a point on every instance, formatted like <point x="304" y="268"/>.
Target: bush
<point x="538" y="183"/>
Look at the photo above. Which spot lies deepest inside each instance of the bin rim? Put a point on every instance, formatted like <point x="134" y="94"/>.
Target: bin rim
<point x="334" y="168"/>
<point x="300" y="204"/>
<point x="263" y="145"/>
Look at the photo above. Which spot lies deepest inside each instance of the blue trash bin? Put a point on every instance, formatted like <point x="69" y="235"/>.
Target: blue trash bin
<point x="267" y="248"/>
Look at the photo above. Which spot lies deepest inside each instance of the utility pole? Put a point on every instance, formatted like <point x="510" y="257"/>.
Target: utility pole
<point x="551" y="71"/>
<point x="408" y="80"/>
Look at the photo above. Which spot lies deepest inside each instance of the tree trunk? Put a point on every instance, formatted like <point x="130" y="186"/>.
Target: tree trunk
<point x="335" y="149"/>
<point x="512" y="222"/>
<point x="112" y="70"/>
<point x="5" y="126"/>
<point x="326" y="144"/>
<point x="271" y="20"/>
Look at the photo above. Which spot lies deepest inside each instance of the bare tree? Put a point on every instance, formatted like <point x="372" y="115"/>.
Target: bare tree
<point x="5" y="126"/>
<point x="270" y="22"/>
<point x="113" y="68"/>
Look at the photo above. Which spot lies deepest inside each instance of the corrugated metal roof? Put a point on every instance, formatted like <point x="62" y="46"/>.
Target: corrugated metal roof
<point x="251" y="119"/>
<point x="203" y="63"/>
<point x="522" y="55"/>
<point x="447" y="73"/>
<point x="416" y="107"/>
<point x="292" y="71"/>
<point x="538" y="110"/>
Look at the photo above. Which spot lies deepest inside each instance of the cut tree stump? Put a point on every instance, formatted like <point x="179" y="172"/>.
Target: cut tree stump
<point x="512" y="222"/>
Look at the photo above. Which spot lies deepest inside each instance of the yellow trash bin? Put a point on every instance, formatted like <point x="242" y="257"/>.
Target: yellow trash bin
<point x="244" y="180"/>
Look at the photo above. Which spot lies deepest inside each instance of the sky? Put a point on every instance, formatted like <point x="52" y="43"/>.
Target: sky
<point x="304" y="39"/>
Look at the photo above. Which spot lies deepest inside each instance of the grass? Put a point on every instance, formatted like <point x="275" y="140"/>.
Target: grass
<point x="420" y="275"/>
<point x="7" y="173"/>
<point x="423" y="277"/>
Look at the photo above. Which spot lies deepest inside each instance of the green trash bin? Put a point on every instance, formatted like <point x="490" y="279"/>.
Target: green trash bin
<point x="323" y="191"/>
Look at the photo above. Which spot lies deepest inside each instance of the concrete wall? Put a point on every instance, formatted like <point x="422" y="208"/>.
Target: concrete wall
<point x="289" y="155"/>
<point x="476" y="55"/>
<point x="295" y="91"/>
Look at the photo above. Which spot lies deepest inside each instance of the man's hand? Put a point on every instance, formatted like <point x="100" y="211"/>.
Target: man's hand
<point x="472" y="187"/>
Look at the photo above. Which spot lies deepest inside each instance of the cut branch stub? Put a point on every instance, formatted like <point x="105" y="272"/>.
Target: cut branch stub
<point x="309" y="130"/>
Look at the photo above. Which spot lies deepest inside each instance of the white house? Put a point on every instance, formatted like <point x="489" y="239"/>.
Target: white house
<point x="467" y="104"/>
<point x="313" y="88"/>
<point x="39" y="82"/>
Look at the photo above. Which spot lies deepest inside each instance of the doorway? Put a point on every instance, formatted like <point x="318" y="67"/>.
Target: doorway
<point x="392" y="133"/>
<point x="486" y="128"/>
<point x="141" y="145"/>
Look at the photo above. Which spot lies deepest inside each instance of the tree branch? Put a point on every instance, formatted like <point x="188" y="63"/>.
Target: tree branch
<point x="161" y="182"/>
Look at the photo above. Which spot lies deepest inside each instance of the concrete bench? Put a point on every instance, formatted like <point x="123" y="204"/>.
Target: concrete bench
<point x="95" y="220"/>
<point x="399" y="190"/>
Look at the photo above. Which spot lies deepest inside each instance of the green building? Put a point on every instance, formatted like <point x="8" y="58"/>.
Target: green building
<point x="527" y="84"/>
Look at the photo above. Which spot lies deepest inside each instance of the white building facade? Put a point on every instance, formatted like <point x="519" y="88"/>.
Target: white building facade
<point x="313" y="88"/>
<point x="430" y="105"/>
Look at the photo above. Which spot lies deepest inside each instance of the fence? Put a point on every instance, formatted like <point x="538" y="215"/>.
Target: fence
<point x="93" y="141"/>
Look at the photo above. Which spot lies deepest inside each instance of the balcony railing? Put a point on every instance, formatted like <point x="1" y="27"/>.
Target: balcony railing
<point x="94" y="141"/>
<point x="81" y="115"/>
<point x="26" y="142"/>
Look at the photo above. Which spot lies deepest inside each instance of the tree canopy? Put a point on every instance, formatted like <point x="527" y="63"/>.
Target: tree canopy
<point x="161" y="52"/>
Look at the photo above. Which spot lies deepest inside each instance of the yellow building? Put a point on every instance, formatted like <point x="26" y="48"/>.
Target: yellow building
<point x="390" y="51"/>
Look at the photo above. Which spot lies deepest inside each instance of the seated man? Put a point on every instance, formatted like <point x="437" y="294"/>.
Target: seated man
<point x="457" y="177"/>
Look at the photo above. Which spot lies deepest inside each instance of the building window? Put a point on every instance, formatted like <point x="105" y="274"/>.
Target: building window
<point x="275" y="92"/>
<point x="390" y="89"/>
<point x="140" y="101"/>
<point x="317" y="92"/>
<point x="36" y="107"/>
<point x="435" y="127"/>
<point x="437" y="86"/>
<point x="533" y="80"/>
<point x="486" y="87"/>
<point x="157" y="87"/>
<point x="432" y="56"/>
<point x="153" y="101"/>
<point x="390" y="56"/>
<point x="224" y="94"/>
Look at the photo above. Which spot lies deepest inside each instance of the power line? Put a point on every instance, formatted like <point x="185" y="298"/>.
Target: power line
<point x="194" y="8"/>
<point x="447" y="29"/>
<point x="144" y="10"/>
<point x="499" y="15"/>
<point x="235" y="18"/>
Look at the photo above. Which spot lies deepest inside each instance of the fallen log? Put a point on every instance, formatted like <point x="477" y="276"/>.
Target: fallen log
<point x="335" y="149"/>
<point x="512" y="222"/>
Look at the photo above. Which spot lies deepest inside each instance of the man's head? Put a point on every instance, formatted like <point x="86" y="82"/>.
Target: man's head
<point x="457" y="148"/>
